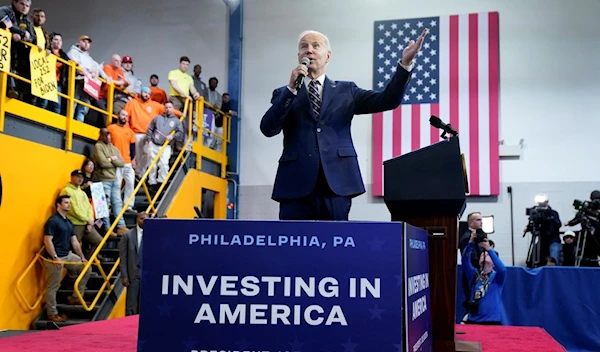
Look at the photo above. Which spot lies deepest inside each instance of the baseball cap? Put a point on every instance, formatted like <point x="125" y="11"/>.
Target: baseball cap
<point x="85" y="37"/>
<point x="146" y="90"/>
<point x="127" y="60"/>
<point x="77" y="173"/>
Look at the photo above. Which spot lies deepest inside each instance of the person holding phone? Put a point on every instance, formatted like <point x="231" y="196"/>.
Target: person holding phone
<point x="484" y="302"/>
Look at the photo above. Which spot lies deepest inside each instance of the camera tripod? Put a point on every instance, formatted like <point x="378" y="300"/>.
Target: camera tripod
<point x="535" y="249"/>
<point x="587" y="231"/>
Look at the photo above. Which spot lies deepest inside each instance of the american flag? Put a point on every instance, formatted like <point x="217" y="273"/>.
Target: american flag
<point x="7" y="22"/>
<point x="456" y="77"/>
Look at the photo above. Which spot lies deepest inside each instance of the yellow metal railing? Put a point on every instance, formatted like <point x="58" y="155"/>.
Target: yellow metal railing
<point x="94" y="257"/>
<point x="151" y="209"/>
<point x="202" y="151"/>
<point x="197" y="146"/>
<point x="93" y="260"/>
<point x="68" y="98"/>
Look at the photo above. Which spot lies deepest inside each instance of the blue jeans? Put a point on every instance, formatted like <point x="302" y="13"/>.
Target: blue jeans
<point x="50" y="105"/>
<point x="555" y="248"/>
<point x="80" y="110"/>
<point x="112" y="190"/>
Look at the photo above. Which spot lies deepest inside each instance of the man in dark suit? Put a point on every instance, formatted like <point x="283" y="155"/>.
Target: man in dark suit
<point x="130" y="254"/>
<point x="318" y="172"/>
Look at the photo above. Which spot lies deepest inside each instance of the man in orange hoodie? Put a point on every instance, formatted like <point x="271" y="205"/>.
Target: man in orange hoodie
<point x="141" y="111"/>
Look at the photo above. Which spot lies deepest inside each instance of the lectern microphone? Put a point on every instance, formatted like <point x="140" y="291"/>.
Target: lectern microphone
<point x="447" y="128"/>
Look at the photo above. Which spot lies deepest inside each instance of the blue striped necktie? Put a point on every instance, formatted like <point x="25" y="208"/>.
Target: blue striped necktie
<point x="315" y="99"/>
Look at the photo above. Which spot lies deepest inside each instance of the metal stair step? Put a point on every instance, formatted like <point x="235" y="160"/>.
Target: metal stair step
<point x="76" y="311"/>
<point x="89" y="294"/>
<point x="96" y="276"/>
<point x="96" y="280"/>
<point x="42" y="324"/>
<point x="111" y="243"/>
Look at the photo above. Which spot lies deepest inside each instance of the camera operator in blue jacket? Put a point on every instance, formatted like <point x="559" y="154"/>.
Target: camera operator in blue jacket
<point x="484" y="304"/>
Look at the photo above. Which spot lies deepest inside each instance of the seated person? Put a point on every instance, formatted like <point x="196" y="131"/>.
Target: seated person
<point x="484" y="302"/>
<point x="568" y="249"/>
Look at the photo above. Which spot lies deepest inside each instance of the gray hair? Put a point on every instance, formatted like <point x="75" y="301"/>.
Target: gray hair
<point x="315" y="32"/>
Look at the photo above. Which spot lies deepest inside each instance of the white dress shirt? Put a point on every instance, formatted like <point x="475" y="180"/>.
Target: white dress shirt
<point x="140" y="234"/>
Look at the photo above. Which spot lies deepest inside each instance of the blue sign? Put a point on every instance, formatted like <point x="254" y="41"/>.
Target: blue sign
<point x="418" y="296"/>
<point x="230" y="285"/>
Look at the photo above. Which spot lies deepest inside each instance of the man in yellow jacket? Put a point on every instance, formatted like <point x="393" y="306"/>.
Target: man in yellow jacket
<point x="80" y="213"/>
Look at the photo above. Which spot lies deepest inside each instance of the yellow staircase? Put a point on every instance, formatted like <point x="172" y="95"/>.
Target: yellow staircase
<point x="39" y="149"/>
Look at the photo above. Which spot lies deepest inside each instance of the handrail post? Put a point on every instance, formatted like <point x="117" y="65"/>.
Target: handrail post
<point x="3" y="84"/>
<point x="200" y="139"/>
<point x="190" y="126"/>
<point x="224" y="146"/>
<point x="110" y="102"/>
<point x="70" y="112"/>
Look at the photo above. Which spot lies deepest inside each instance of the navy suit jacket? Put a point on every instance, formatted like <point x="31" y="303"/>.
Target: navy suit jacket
<point x="309" y="142"/>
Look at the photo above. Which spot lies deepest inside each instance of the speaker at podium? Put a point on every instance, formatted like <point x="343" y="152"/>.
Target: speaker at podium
<point x="427" y="188"/>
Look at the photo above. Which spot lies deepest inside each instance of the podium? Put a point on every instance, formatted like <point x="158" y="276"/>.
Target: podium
<point x="244" y="285"/>
<point x="426" y="188"/>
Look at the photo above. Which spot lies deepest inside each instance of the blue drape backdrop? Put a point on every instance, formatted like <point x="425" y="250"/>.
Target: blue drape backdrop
<point x="565" y="301"/>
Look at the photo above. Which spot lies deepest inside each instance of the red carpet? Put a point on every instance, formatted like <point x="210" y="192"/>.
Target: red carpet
<point x="509" y="338"/>
<point x="121" y="335"/>
<point x="118" y="335"/>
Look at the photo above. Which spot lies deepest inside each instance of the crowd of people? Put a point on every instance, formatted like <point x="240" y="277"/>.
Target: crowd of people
<point x="79" y="217"/>
<point x="30" y="28"/>
<point x="146" y="118"/>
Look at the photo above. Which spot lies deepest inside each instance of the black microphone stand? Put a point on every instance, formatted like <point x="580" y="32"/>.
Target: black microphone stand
<point x="445" y="135"/>
<point x="446" y="128"/>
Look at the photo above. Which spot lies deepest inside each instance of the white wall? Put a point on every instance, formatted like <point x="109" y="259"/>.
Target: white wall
<point x="154" y="33"/>
<point x="549" y="86"/>
<point x="549" y="76"/>
<point x="548" y="80"/>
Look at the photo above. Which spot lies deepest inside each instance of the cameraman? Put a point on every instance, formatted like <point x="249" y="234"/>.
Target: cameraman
<point x="587" y="215"/>
<point x="545" y="222"/>
<point x="484" y="302"/>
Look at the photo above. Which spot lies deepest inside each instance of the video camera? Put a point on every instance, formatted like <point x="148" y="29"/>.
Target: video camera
<point x="587" y="206"/>
<point x="587" y="209"/>
<point x="539" y="214"/>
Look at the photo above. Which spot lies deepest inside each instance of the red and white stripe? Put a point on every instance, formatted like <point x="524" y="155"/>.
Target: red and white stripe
<point x="469" y="100"/>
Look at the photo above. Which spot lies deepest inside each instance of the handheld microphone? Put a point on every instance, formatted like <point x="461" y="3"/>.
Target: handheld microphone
<point x="305" y="61"/>
<point x="437" y="123"/>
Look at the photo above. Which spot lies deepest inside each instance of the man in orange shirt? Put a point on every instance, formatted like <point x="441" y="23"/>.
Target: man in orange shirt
<point x="115" y="74"/>
<point x="124" y="139"/>
<point x="156" y="93"/>
<point x="141" y="111"/>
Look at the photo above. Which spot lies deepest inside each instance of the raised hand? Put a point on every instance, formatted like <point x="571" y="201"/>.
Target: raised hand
<point x="413" y="48"/>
